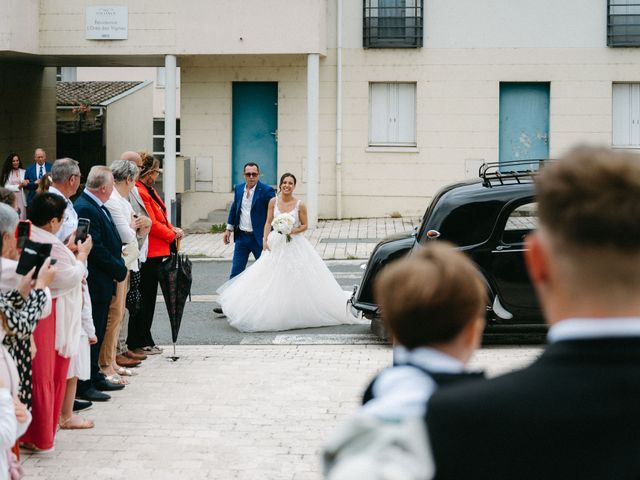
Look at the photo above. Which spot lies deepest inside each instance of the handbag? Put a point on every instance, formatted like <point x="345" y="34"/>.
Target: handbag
<point x="130" y="253"/>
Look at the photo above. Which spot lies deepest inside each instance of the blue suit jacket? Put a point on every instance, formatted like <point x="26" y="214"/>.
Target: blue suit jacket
<point x="31" y="174"/>
<point x="259" y="207"/>
<point x="105" y="262"/>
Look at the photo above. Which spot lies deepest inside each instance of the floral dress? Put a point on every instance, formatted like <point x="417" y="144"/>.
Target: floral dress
<point x="20" y="318"/>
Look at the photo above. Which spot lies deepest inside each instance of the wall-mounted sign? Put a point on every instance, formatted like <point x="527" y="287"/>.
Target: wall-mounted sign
<point x="107" y="22"/>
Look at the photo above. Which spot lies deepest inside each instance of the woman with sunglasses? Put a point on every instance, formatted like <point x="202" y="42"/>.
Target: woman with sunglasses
<point x="161" y="237"/>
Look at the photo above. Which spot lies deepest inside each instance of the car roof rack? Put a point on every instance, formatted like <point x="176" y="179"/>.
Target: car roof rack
<point x="516" y="171"/>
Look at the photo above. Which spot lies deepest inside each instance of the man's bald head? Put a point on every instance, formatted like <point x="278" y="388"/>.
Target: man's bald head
<point x="132" y="157"/>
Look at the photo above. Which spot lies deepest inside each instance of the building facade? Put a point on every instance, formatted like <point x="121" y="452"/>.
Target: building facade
<point x="373" y="104"/>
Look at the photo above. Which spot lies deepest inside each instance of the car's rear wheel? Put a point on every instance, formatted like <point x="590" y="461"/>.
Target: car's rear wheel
<point x="378" y="329"/>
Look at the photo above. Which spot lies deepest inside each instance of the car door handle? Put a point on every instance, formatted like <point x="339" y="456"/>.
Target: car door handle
<point x="508" y="249"/>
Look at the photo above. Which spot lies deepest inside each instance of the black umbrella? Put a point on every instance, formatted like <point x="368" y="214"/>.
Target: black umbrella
<point x="174" y="275"/>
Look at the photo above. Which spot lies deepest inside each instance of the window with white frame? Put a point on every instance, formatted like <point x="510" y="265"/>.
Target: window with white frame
<point x="66" y="74"/>
<point x="392" y="114"/>
<point x="158" y="137"/>
<point x="626" y="115"/>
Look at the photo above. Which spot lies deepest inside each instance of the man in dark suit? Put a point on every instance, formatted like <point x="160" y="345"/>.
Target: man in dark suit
<point x="247" y="216"/>
<point x="574" y="412"/>
<point x="35" y="172"/>
<point x="105" y="266"/>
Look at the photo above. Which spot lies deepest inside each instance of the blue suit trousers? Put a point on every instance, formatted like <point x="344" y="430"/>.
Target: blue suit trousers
<point x="244" y="244"/>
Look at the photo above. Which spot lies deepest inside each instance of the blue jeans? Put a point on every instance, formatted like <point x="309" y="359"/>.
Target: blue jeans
<point x="244" y="244"/>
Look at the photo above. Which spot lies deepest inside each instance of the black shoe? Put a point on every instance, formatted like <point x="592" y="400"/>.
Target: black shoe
<point x="107" y="386"/>
<point x="80" y="405"/>
<point x="92" y="395"/>
<point x="218" y="310"/>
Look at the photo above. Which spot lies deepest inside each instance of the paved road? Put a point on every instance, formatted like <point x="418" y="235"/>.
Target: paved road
<point x="200" y="326"/>
<point x="229" y="412"/>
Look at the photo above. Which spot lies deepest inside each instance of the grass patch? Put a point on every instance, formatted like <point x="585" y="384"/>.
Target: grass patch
<point x="218" y="227"/>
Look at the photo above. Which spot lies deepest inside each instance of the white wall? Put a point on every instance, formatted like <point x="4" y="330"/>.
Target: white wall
<point x="195" y="27"/>
<point x="515" y="23"/>
<point x="124" y="131"/>
<point x="19" y="21"/>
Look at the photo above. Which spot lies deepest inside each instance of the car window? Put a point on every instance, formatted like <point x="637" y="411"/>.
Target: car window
<point x="470" y="224"/>
<point x="520" y="222"/>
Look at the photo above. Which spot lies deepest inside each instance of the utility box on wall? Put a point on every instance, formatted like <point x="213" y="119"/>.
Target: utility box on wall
<point x="184" y="182"/>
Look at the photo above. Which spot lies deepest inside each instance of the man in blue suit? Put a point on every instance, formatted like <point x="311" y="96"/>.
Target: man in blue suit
<point x="35" y="172"/>
<point x="105" y="266"/>
<point x="247" y="216"/>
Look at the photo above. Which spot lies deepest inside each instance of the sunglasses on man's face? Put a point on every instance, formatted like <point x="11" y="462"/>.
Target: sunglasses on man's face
<point x="251" y="174"/>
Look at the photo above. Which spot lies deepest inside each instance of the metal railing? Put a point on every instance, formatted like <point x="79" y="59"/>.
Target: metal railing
<point x="393" y="23"/>
<point x="623" y="23"/>
<point x="517" y="171"/>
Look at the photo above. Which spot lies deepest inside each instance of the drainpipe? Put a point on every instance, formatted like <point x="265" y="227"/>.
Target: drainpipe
<point x="339" y="115"/>
<point x="313" y="169"/>
<point x="169" y="162"/>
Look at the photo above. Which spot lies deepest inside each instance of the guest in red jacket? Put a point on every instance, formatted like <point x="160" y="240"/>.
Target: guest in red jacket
<point x="161" y="236"/>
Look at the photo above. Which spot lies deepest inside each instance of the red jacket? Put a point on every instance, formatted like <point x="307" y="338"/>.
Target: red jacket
<point x="161" y="234"/>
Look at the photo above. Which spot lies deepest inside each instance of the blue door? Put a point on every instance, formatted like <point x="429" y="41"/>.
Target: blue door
<point x="255" y="129"/>
<point x="524" y="121"/>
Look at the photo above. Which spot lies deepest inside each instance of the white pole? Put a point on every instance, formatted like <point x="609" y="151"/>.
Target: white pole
<point x="313" y="169"/>
<point x="169" y="162"/>
<point x="339" y="116"/>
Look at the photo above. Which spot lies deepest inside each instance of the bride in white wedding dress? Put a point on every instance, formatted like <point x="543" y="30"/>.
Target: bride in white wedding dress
<point x="289" y="286"/>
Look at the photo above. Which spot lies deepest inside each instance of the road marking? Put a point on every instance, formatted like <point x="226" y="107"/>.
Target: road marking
<point x="209" y="298"/>
<point x="328" y="339"/>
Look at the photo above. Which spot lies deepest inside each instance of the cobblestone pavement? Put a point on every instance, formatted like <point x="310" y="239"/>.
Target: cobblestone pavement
<point x="333" y="239"/>
<point x="229" y="412"/>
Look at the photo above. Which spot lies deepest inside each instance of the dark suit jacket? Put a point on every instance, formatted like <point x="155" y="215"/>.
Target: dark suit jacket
<point x="573" y="414"/>
<point x="105" y="262"/>
<point x="31" y="174"/>
<point x="259" y="207"/>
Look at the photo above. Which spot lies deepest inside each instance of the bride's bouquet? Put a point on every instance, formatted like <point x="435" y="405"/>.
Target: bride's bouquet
<point x="283" y="224"/>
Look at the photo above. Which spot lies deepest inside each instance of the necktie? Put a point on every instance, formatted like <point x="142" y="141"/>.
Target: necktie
<point x="106" y="212"/>
<point x="41" y="172"/>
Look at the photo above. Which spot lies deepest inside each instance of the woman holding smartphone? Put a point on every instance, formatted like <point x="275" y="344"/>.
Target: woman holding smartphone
<point x="57" y="336"/>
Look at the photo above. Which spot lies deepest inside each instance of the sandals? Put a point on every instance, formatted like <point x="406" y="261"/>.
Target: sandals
<point x="31" y="447"/>
<point x="125" y="372"/>
<point x="117" y="379"/>
<point x="67" y="425"/>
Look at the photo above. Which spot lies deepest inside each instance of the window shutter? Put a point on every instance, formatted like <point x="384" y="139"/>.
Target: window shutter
<point x="406" y="116"/>
<point x="380" y="116"/>
<point x="626" y="114"/>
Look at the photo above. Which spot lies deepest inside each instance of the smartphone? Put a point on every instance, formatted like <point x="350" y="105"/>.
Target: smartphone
<point x="33" y="255"/>
<point x="23" y="232"/>
<point x="83" y="229"/>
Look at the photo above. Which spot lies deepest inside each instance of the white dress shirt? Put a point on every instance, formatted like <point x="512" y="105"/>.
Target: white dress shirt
<point x="590" y="328"/>
<point x="70" y="221"/>
<point x="403" y="391"/>
<point x="245" y="210"/>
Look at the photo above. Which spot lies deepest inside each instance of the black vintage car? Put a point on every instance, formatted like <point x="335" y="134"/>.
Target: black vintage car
<point x="487" y="218"/>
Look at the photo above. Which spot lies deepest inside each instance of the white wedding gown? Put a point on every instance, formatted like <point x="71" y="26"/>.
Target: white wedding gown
<point x="288" y="287"/>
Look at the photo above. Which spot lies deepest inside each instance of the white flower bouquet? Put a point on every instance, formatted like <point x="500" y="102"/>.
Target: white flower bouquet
<point x="283" y="224"/>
